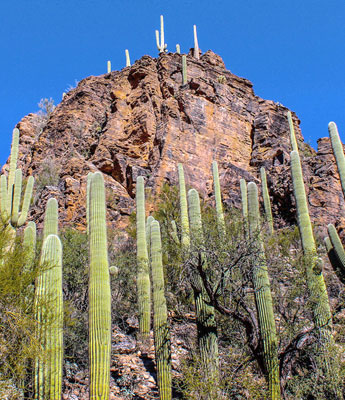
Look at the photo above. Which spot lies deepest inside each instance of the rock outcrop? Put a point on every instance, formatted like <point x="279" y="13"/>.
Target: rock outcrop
<point x="143" y="121"/>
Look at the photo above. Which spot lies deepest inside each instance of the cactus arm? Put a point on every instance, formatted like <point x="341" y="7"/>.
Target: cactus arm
<point x="263" y="297"/>
<point x="315" y="280"/>
<point x="243" y="188"/>
<point x="128" y="60"/>
<point x="185" y="239"/>
<point x="292" y="133"/>
<point x="173" y="232"/>
<point x="13" y="162"/>
<point x="267" y="201"/>
<point x="51" y="221"/>
<point x="338" y="152"/>
<point x="99" y="293"/>
<point x="157" y="40"/>
<point x="178" y="49"/>
<point x="160" y="316"/>
<point x="5" y="213"/>
<point x="17" y="191"/>
<point x="196" y="45"/>
<point x="336" y="252"/>
<point x="206" y="324"/>
<point x="143" y="274"/>
<point x="184" y="70"/>
<point x="218" y="197"/>
<point x="26" y="202"/>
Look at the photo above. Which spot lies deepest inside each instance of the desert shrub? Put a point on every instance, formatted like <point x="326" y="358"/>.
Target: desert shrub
<point x="48" y="175"/>
<point x="40" y="120"/>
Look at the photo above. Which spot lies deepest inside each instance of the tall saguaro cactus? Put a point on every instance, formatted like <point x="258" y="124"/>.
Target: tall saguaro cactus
<point x="184" y="70"/>
<point x="99" y="293"/>
<point x="160" y="315"/>
<point x="315" y="281"/>
<point x="263" y="297"/>
<point x="218" y="197"/>
<point x="143" y="274"/>
<point x="49" y="314"/>
<point x="267" y="201"/>
<point x="207" y="328"/>
<point x="160" y="43"/>
<point x="185" y="239"/>
<point x="51" y="220"/>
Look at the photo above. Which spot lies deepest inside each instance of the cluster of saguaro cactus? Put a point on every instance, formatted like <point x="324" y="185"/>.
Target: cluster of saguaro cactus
<point x="99" y="292"/>
<point x="49" y="310"/>
<point x="11" y="190"/>
<point x="143" y="274"/>
<point x="263" y="297"/>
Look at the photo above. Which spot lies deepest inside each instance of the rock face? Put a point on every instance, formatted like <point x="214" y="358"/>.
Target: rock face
<point x="143" y="121"/>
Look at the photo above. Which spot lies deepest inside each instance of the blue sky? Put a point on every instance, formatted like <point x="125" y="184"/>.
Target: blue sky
<point x="293" y="52"/>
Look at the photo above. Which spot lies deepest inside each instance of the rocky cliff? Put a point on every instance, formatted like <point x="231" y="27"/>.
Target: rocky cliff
<point x="143" y="121"/>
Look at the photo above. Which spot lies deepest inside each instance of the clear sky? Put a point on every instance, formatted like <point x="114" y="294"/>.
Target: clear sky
<point x="293" y="52"/>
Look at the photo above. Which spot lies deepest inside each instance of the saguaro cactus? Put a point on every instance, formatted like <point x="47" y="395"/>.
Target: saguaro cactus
<point x="263" y="297"/>
<point x="336" y="252"/>
<point x="315" y="281"/>
<point x="128" y="60"/>
<point x="160" y="44"/>
<point x="196" y="44"/>
<point x="178" y="49"/>
<point x="292" y="133"/>
<point x="99" y="293"/>
<point x="184" y="70"/>
<point x="49" y="313"/>
<point x="267" y="201"/>
<point x="338" y="152"/>
<point x="108" y="66"/>
<point x="206" y="324"/>
<point x="160" y="316"/>
<point x="185" y="239"/>
<point x="143" y="274"/>
<point x="218" y="197"/>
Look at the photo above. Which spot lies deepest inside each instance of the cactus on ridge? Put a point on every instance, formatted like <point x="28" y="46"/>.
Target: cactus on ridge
<point x="108" y="66"/>
<point x="128" y="60"/>
<point x="160" y="315"/>
<point x="162" y="47"/>
<point x="263" y="297"/>
<point x="218" y="198"/>
<point x="267" y="201"/>
<point x="99" y="293"/>
<point x="206" y="324"/>
<point x="143" y="273"/>
<point x="292" y="132"/>
<point x="196" y="44"/>
<point x="178" y="49"/>
<point x="184" y="70"/>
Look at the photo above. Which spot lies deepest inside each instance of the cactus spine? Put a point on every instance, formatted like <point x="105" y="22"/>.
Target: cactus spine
<point x="99" y="293"/>
<point x="263" y="297"/>
<point x="128" y="60"/>
<point x="292" y="133"/>
<point x="206" y="324"/>
<point x="49" y="311"/>
<point x="143" y="274"/>
<point x="218" y="197"/>
<point x="160" y="316"/>
<point x="178" y="49"/>
<point x="267" y="201"/>
<point x="51" y="222"/>
<point x="196" y="44"/>
<point x="184" y="70"/>
<point x="315" y="281"/>
<point x="160" y="44"/>
<point x="338" y="152"/>
<point x="185" y="239"/>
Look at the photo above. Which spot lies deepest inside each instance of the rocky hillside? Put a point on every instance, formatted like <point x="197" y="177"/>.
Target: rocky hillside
<point x="143" y="121"/>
